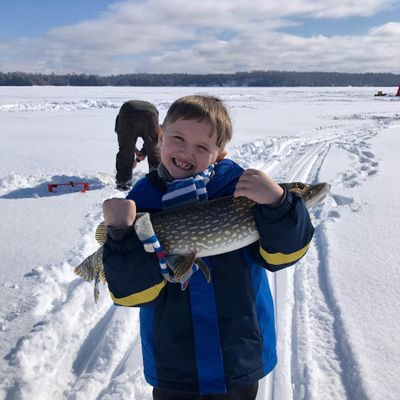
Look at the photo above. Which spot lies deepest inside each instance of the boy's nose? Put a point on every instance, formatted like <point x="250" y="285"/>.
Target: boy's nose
<point x="187" y="150"/>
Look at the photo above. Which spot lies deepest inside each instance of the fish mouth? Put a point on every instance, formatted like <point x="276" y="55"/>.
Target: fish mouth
<point x="186" y="166"/>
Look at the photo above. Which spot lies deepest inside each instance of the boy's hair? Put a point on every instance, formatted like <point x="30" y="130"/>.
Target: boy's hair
<point x="200" y="107"/>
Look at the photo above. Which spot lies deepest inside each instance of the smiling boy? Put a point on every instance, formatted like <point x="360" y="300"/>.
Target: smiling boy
<point x="214" y="340"/>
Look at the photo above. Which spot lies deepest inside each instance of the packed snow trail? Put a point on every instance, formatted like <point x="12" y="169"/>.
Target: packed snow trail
<point x="315" y="359"/>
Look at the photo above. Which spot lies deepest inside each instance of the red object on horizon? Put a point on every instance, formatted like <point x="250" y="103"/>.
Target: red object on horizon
<point x="398" y="91"/>
<point x="52" y="186"/>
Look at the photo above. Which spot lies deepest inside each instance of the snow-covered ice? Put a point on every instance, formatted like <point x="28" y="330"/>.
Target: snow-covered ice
<point x="338" y="310"/>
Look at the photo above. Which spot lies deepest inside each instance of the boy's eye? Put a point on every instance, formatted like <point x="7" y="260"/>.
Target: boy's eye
<point x="202" y="148"/>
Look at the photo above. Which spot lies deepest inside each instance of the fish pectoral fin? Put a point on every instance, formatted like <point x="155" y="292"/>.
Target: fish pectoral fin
<point x="181" y="264"/>
<point x="204" y="269"/>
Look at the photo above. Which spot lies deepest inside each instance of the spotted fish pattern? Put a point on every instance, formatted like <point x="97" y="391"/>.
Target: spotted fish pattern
<point x="203" y="229"/>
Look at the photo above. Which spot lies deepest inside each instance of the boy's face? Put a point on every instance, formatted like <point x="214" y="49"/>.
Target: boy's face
<point x="187" y="147"/>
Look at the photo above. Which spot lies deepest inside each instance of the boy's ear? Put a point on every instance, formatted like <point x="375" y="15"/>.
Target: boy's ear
<point x="222" y="155"/>
<point x="160" y="133"/>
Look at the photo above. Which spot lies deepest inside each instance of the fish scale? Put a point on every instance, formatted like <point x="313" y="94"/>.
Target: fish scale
<point x="206" y="228"/>
<point x="229" y="222"/>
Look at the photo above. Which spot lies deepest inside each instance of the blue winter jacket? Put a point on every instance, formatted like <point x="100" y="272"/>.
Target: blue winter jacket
<point x="214" y="337"/>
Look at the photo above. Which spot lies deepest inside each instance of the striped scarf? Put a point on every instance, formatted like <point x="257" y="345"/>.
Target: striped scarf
<point x="180" y="192"/>
<point x="186" y="191"/>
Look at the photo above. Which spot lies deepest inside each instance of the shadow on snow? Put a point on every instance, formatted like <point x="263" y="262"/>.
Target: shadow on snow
<point x="42" y="189"/>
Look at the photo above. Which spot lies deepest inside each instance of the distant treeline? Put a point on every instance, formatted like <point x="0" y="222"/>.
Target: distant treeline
<point x="251" y="79"/>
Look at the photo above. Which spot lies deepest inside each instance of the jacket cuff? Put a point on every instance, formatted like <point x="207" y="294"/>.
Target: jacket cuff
<point x="123" y="240"/>
<point x="273" y="213"/>
<point x="118" y="234"/>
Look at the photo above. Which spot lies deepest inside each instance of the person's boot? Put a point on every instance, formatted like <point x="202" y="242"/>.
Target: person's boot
<point x="123" y="186"/>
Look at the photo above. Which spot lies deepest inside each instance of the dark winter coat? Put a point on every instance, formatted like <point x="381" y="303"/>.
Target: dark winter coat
<point x="214" y="337"/>
<point x="136" y="119"/>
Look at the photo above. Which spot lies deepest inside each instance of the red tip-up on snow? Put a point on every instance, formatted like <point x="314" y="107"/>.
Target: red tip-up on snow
<point x="73" y="186"/>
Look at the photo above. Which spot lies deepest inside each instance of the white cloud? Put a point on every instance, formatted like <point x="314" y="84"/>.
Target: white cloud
<point x="207" y="36"/>
<point x="350" y="8"/>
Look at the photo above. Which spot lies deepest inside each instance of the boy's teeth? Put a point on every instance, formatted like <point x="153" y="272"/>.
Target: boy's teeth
<point x="183" y="165"/>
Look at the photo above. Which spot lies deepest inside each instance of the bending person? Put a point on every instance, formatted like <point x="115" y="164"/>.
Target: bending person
<point x="136" y="118"/>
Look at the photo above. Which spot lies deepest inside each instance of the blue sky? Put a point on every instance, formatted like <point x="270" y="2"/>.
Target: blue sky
<point x="108" y="37"/>
<point x="353" y="25"/>
<point x="28" y="18"/>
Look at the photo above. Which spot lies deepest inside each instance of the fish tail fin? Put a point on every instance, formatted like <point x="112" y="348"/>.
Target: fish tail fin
<point x="85" y="269"/>
<point x="91" y="267"/>
<point x="96" y="291"/>
<point x="102" y="276"/>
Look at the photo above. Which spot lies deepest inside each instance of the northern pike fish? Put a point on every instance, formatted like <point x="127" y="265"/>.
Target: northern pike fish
<point x="204" y="229"/>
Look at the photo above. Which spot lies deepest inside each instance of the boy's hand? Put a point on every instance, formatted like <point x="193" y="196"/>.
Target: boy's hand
<point x="259" y="187"/>
<point x="119" y="213"/>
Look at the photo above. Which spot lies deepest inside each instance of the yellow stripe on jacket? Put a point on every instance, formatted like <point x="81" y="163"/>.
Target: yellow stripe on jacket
<point x="282" y="258"/>
<point x="145" y="296"/>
